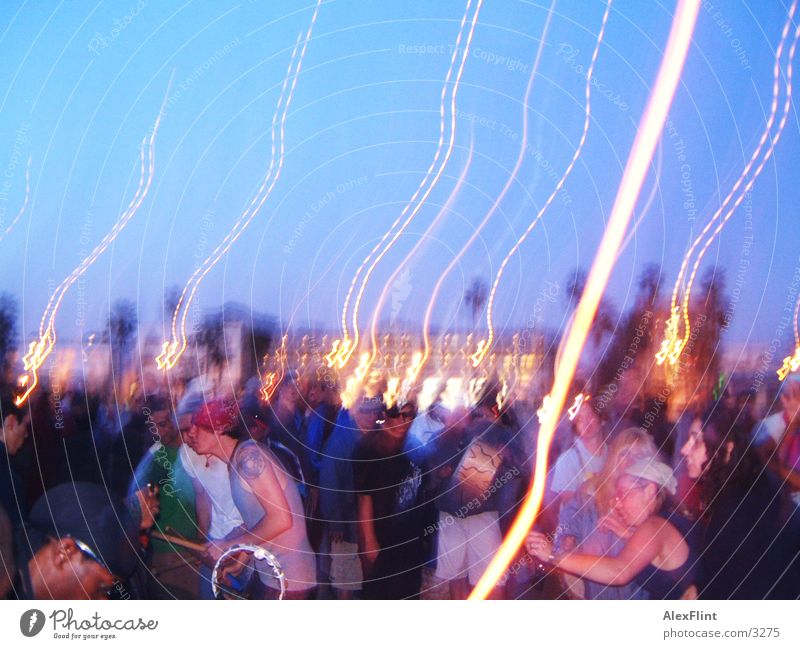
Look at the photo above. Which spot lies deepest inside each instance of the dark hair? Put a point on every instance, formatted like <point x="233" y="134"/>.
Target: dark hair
<point x="396" y="410"/>
<point x="722" y="426"/>
<point x="241" y="431"/>
<point x="488" y="400"/>
<point x="8" y="407"/>
<point x="289" y="380"/>
<point x="156" y="403"/>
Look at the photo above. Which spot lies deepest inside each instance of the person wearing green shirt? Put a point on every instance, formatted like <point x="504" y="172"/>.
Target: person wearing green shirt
<point x="174" y="573"/>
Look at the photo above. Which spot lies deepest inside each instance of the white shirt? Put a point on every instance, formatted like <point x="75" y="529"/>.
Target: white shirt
<point x="575" y="466"/>
<point x="212" y="473"/>
<point x="772" y="427"/>
<point x="423" y="428"/>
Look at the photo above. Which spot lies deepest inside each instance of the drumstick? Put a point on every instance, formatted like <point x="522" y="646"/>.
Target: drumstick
<point x="181" y="542"/>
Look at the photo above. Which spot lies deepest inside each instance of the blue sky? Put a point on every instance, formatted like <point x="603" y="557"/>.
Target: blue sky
<point x="82" y="83"/>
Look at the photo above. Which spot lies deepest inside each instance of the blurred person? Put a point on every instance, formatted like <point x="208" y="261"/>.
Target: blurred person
<point x="14" y="432"/>
<point x="130" y="446"/>
<point x="391" y="518"/>
<point x="267" y="497"/>
<point x="424" y="430"/>
<point x="78" y="410"/>
<point x="81" y="543"/>
<point x="338" y="505"/>
<point x="469" y="506"/>
<point x="43" y="461"/>
<point x="284" y="420"/>
<point x="317" y="424"/>
<point x="777" y="438"/>
<point x="585" y="457"/>
<point x="319" y="419"/>
<point x="7" y="561"/>
<point x="751" y="542"/>
<point x="588" y="521"/>
<point x="174" y="572"/>
<point x="661" y="552"/>
<point x="217" y="515"/>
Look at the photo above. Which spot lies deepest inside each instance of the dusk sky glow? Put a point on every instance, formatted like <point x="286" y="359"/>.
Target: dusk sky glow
<point x="82" y="83"/>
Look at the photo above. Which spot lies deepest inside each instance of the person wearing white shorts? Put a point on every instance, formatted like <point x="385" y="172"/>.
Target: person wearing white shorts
<point x="465" y="548"/>
<point x="346" y="575"/>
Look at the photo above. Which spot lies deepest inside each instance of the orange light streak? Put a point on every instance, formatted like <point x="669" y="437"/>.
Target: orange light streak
<point x="39" y="350"/>
<point x="520" y="157"/>
<point x="773" y="143"/>
<point x="173" y="349"/>
<point x="792" y="363"/>
<point x="350" y="343"/>
<point x="639" y="159"/>
<point x="575" y="408"/>
<point x="673" y="344"/>
<point x="330" y="357"/>
<point x="422" y="241"/>
<point x="485" y="345"/>
<point x="273" y="379"/>
<point x="269" y="385"/>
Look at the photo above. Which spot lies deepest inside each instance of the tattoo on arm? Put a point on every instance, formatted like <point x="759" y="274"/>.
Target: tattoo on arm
<point x="251" y="463"/>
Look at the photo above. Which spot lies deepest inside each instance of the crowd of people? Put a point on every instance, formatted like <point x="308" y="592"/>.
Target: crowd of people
<point x="160" y="496"/>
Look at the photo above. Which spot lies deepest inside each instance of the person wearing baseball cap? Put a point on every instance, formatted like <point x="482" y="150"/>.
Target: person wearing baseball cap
<point x="661" y="553"/>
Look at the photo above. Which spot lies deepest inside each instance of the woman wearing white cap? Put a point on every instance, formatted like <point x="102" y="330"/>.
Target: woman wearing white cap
<point x="660" y="554"/>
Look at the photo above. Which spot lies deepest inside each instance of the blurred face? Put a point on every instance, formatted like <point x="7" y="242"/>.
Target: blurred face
<point x="15" y="432"/>
<point x="694" y="451"/>
<point x="314" y="395"/>
<point x="288" y="398"/>
<point x="184" y="426"/>
<point x="635" y="499"/>
<point x="71" y="574"/>
<point x="201" y="440"/>
<point x="96" y="581"/>
<point x="790" y="400"/>
<point x="365" y="421"/>
<point x="399" y="425"/>
<point x="164" y="424"/>
<point x="586" y="422"/>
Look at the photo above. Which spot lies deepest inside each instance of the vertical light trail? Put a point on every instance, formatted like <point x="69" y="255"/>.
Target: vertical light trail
<point x="422" y="241"/>
<point x="773" y="143"/>
<point x="173" y="349"/>
<point x="673" y="343"/>
<point x="515" y="171"/>
<point x="639" y="159"/>
<point x="792" y="363"/>
<point x="485" y="345"/>
<point x="40" y="349"/>
<point x="349" y="343"/>
<point x="16" y="219"/>
<point x="273" y="379"/>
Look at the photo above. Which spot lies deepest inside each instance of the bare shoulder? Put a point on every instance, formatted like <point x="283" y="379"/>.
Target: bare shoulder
<point x="654" y="529"/>
<point x="251" y="461"/>
<point x="658" y="527"/>
<point x="655" y="524"/>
